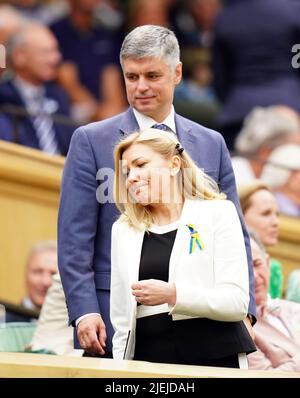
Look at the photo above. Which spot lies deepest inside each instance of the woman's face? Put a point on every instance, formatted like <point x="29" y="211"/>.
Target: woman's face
<point x="148" y="175"/>
<point x="262" y="216"/>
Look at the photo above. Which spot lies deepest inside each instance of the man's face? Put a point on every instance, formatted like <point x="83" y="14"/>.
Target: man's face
<point x="42" y="266"/>
<point x="261" y="273"/>
<point x="38" y="59"/>
<point x="150" y="85"/>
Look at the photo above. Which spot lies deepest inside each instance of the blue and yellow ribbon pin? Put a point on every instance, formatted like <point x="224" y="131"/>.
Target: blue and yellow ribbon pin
<point x="195" y="239"/>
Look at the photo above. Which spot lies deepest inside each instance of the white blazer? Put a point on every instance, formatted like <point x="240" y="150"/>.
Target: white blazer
<point x="210" y="283"/>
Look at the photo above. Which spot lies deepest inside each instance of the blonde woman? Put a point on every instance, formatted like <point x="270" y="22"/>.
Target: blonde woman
<point x="179" y="284"/>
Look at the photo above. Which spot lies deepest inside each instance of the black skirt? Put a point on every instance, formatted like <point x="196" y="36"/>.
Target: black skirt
<point x="198" y="341"/>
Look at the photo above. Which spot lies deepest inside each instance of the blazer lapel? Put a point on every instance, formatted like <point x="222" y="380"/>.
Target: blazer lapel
<point x="135" y="243"/>
<point x="182" y="236"/>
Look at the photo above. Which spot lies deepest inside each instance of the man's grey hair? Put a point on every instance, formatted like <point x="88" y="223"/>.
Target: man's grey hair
<point x="255" y="238"/>
<point x="19" y="38"/>
<point x="264" y="126"/>
<point x="280" y="164"/>
<point x="151" y="41"/>
<point x="40" y="247"/>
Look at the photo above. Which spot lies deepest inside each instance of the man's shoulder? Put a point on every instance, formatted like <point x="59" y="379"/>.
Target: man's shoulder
<point x="206" y="133"/>
<point x="107" y="130"/>
<point x="8" y="91"/>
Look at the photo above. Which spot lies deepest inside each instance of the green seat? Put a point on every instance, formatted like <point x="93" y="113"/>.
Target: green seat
<point x="276" y="279"/>
<point x="15" y="336"/>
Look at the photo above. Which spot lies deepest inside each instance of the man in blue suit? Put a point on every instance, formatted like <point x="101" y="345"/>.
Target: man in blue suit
<point x="152" y="69"/>
<point x="31" y="103"/>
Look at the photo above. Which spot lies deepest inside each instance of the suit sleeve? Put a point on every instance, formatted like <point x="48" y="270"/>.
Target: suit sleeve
<point x="228" y="299"/>
<point x="77" y="227"/>
<point x="118" y="306"/>
<point x="227" y="185"/>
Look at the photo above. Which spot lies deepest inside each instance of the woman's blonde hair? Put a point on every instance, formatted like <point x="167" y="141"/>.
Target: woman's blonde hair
<point x="167" y="145"/>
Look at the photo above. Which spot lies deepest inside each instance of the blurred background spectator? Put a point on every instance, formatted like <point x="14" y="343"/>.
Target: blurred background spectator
<point x="277" y="330"/>
<point x="282" y="173"/>
<point x="10" y="22"/>
<point x="252" y="59"/>
<point x="263" y="130"/>
<point x="260" y="211"/>
<point x="41" y="266"/>
<point x="44" y="12"/>
<point x="30" y="101"/>
<point x="193" y="21"/>
<point x="90" y="71"/>
<point x="53" y="321"/>
<point x="293" y="286"/>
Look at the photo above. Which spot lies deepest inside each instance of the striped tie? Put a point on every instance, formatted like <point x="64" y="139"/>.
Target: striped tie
<point x="44" y="128"/>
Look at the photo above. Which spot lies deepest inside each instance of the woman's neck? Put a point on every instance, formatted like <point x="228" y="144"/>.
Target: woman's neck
<point x="166" y="214"/>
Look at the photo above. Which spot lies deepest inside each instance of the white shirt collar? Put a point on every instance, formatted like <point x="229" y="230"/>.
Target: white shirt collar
<point x="146" y="122"/>
<point x="28" y="91"/>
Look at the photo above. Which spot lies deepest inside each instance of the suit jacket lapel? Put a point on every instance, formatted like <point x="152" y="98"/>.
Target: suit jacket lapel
<point x="129" y="123"/>
<point x="186" y="135"/>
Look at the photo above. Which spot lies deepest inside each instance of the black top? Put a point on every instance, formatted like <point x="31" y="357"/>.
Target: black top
<point x="155" y="257"/>
<point x="197" y="341"/>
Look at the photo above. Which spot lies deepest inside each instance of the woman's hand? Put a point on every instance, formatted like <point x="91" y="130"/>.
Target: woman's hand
<point x="154" y="292"/>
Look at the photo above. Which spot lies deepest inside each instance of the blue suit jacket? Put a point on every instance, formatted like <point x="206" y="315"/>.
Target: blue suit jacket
<point x="252" y="56"/>
<point x="84" y="226"/>
<point x="20" y="130"/>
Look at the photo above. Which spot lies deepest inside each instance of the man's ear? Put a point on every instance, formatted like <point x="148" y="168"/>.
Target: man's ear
<point x="178" y="73"/>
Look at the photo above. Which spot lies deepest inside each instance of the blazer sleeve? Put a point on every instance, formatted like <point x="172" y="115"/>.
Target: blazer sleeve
<point x="227" y="184"/>
<point x="228" y="299"/>
<point x="77" y="227"/>
<point x="118" y="301"/>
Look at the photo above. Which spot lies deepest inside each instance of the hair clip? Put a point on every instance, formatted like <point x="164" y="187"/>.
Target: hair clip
<point x="179" y="149"/>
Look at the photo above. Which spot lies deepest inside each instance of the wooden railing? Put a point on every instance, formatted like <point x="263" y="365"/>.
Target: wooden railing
<point x="36" y="365"/>
<point x="29" y="196"/>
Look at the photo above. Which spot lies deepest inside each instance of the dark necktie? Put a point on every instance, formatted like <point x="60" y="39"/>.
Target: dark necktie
<point x="161" y="127"/>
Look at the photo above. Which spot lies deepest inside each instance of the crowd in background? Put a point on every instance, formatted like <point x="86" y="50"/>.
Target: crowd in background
<point x="62" y="70"/>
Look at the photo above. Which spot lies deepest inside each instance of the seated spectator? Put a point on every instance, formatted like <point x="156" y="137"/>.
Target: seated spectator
<point x="41" y="266"/>
<point x="263" y="130"/>
<point x="282" y="173"/>
<point x="90" y="70"/>
<point x="292" y="292"/>
<point x="261" y="214"/>
<point x="252" y="67"/>
<point x="277" y="330"/>
<point x="196" y="83"/>
<point x="44" y="12"/>
<point x="145" y="12"/>
<point x="193" y="22"/>
<point x="10" y="22"/>
<point x="52" y="333"/>
<point x="31" y="103"/>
